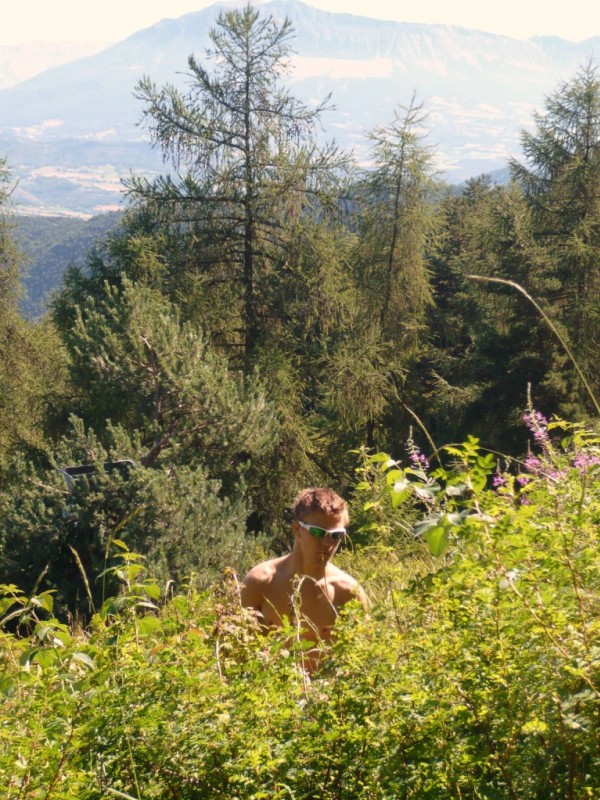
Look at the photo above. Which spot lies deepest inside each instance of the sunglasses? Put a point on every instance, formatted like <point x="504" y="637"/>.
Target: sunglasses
<point x="336" y="533"/>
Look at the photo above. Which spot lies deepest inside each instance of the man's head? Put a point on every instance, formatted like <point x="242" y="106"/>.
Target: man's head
<point x="319" y="524"/>
<point x="320" y="501"/>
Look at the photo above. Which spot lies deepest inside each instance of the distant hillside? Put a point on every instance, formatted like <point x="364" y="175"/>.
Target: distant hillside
<point x="51" y="245"/>
<point x="70" y="133"/>
<point x="22" y="61"/>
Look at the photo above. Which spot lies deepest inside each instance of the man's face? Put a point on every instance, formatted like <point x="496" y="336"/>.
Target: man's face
<point x="319" y="548"/>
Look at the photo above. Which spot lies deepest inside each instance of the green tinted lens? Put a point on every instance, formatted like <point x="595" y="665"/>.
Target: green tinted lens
<point x="319" y="533"/>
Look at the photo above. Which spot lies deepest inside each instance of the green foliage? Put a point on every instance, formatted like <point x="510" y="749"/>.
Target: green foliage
<point x="138" y="364"/>
<point x="559" y="182"/>
<point x="478" y="679"/>
<point x="51" y="245"/>
<point x="32" y="377"/>
<point x="58" y="532"/>
<point x="31" y="357"/>
<point x="235" y="340"/>
<point x="395" y="220"/>
<point x="394" y="228"/>
<point x="9" y="256"/>
<point x="487" y="342"/>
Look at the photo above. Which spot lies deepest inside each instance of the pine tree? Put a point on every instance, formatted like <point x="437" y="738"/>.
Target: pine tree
<point x="59" y="534"/>
<point x="133" y="361"/>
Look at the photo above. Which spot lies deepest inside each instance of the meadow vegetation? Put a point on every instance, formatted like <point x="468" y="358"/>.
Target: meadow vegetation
<point x="475" y="673"/>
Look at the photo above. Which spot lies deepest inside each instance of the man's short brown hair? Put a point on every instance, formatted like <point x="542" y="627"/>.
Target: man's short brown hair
<point x="325" y="501"/>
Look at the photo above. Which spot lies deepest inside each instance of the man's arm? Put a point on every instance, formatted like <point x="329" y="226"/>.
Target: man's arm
<point x="360" y="595"/>
<point x="252" y="593"/>
<point x="350" y="589"/>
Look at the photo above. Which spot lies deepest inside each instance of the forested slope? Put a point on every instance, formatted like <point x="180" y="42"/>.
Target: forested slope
<point x="50" y="245"/>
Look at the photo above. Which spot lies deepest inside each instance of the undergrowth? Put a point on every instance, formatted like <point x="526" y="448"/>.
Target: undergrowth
<point x="476" y="673"/>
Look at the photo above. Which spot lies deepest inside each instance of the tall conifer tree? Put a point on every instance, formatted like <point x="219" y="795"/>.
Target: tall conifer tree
<point x="561" y="180"/>
<point x="244" y="165"/>
<point x="395" y="223"/>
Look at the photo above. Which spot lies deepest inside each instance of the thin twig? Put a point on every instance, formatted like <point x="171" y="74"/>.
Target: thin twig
<point x="520" y="289"/>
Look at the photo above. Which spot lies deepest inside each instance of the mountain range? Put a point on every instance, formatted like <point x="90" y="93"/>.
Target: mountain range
<point x="18" y="62"/>
<point x="70" y="133"/>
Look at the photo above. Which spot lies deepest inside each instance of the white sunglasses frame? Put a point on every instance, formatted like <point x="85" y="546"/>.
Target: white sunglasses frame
<point x="340" y="531"/>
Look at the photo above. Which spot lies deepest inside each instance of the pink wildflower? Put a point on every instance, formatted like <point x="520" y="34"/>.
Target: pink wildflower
<point x="583" y="461"/>
<point x="498" y="480"/>
<point x="533" y="464"/>
<point x="538" y="425"/>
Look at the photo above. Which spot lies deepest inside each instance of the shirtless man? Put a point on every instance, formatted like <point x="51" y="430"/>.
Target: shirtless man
<point x="304" y="585"/>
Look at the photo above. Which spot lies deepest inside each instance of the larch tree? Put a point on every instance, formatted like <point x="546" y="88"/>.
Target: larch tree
<point x="244" y="164"/>
<point x="395" y="222"/>
<point x="250" y="214"/>
<point x="561" y="183"/>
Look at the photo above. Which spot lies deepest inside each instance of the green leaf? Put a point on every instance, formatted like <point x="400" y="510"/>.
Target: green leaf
<point x="401" y="486"/>
<point x="148" y="625"/>
<point x="437" y="540"/>
<point x="84" y="659"/>
<point x="378" y="458"/>
<point x="152" y="590"/>
<point x="10" y="588"/>
<point x="46" y="658"/>
<point x="44" y="600"/>
<point x="399" y="497"/>
<point x="27" y="656"/>
<point x="8" y="686"/>
<point x="394" y="476"/>
<point x="477" y="480"/>
<point x="425" y="525"/>
<point x="6" y="603"/>
<point x="121" y="544"/>
<point x="486" y="462"/>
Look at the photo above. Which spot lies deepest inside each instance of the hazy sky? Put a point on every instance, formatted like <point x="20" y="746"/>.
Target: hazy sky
<point x="113" y="20"/>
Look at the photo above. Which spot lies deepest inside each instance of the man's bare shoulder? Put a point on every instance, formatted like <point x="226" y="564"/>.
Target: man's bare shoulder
<point x="264" y="572"/>
<point x="347" y="588"/>
<point x="258" y="581"/>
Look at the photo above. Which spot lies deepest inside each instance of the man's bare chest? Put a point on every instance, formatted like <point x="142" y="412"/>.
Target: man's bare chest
<point x="305" y="602"/>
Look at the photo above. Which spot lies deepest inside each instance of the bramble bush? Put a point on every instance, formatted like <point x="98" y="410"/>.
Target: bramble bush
<point x="476" y="674"/>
